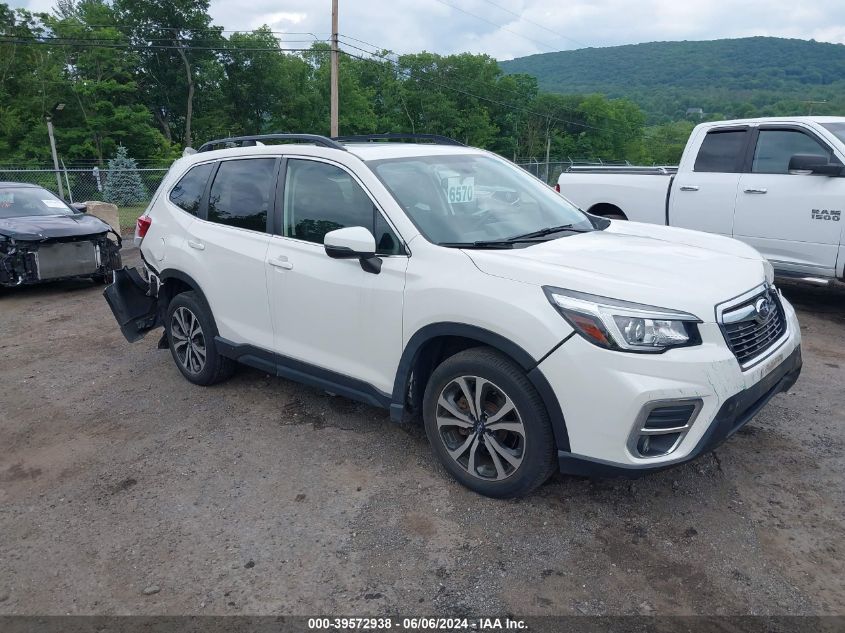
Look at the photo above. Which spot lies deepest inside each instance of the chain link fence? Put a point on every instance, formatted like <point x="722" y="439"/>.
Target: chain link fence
<point x="82" y="185"/>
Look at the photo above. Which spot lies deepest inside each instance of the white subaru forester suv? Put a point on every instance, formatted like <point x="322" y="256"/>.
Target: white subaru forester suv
<point x="445" y="283"/>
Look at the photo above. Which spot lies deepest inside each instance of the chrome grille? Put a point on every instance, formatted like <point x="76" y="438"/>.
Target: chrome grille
<point x="753" y="326"/>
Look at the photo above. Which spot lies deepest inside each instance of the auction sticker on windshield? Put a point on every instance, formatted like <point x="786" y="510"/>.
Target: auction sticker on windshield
<point x="460" y="191"/>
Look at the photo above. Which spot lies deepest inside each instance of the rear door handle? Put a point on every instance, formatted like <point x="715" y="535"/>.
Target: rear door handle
<point x="756" y="190"/>
<point x="196" y="244"/>
<point x="689" y="188"/>
<point x="281" y="262"/>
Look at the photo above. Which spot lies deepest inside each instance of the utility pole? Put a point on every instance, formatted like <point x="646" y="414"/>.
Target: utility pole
<point x="810" y="105"/>
<point x="335" y="59"/>
<point x="55" y="157"/>
<point x="548" y="148"/>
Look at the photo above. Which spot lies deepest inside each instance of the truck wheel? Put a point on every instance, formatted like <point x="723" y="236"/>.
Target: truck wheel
<point x="487" y="424"/>
<point x="190" y="335"/>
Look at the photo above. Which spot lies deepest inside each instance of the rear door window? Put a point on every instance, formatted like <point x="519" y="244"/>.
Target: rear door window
<point x="722" y="151"/>
<point x="241" y="194"/>
<point x="187" y="194"/>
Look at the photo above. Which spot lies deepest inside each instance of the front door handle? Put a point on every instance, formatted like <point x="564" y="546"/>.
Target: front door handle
<point x="689" y="188"/>
<point x="196" y="244"/>
<point x="281" y="262"/>
<point x="756" y="191"/>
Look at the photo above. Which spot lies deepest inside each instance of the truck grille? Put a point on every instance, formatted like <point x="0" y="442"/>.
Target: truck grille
<point x="754" y="326"/>
<point x="67" y="259"/>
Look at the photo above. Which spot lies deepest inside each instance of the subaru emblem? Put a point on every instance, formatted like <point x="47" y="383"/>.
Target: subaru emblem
<point x="763" y="307"/>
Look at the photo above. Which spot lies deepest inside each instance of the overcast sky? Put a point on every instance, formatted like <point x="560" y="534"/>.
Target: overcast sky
<point x="513" y="28"/>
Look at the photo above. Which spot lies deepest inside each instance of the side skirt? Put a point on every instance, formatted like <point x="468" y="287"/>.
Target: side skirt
<point x="302" y="372"/>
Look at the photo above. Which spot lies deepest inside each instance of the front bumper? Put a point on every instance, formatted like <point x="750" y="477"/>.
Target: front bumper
<point x="25" y="263"/>
<point x="732" y="416"/>
<point x="602" y="393"/>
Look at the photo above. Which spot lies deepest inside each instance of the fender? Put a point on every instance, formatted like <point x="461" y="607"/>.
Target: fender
<point x="527" y="362"/>
<point x="172" y="273"/>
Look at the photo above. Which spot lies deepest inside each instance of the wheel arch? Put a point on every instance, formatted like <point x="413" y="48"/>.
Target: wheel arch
<point x="179" y="282"/>
<point x="606" y="208"/>
<point x="435" y="342"/>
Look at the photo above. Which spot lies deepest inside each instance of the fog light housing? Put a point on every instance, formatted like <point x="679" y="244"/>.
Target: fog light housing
<point x="661" y="426"/>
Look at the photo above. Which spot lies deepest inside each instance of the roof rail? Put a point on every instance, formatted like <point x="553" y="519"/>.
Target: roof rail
<point x="316" y="139"/>
<point x="369" y="138"/>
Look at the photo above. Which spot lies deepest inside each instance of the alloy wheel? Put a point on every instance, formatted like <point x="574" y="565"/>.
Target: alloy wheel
<point x="188" y="340"/>
<point x="481" y="428"/>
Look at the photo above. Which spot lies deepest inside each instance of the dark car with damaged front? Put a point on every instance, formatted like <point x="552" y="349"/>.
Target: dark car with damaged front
<point x="44" y="239"/>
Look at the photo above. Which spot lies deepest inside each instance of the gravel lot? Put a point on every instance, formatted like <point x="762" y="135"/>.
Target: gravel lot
<point x="124" y="489"/>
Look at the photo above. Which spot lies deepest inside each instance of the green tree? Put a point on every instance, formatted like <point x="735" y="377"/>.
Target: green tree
<point x="176" y="44"/>
<point x="99" y="88"/>
<point x="124" y="186"/>
<point x="266" y="90"/>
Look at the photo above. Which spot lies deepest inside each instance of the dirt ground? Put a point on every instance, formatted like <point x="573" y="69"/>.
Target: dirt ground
<point x="126" y="490"/>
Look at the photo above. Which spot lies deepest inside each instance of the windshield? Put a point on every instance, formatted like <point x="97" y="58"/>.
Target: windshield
<point x="467" y="198"/>
<point x="838" y="129"/>
<point x="16" y="202"/>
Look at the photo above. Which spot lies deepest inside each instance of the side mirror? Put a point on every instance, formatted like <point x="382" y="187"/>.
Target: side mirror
<point x="353" y="242"/>
<point x="814" y="164"/>
<point x="79" y="207"/>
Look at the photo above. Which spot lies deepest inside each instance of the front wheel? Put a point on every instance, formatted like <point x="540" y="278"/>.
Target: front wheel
<point x="487" y="424"/>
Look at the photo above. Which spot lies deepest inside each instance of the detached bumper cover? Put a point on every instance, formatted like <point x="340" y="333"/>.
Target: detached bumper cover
<point x="134" y="310"/>
<point x="735" y="413"/>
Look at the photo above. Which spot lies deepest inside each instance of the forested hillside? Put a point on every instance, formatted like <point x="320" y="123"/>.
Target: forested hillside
<point x="756" y="76"/>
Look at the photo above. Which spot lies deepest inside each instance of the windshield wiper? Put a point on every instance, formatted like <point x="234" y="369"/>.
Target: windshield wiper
<point x="516" y="239"/>
<point x="547" y="231"/>
<point x="479" y="244"/>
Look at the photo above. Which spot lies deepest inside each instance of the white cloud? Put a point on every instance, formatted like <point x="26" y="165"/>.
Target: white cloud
<point x="539" y="26"/>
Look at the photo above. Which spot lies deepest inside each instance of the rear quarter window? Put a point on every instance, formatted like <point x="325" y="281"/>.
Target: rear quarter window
<point x="187" y="194"/>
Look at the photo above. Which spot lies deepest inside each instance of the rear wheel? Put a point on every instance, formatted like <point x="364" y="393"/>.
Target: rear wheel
<point x="190" y="336"/>
<point x="487" y="425"/>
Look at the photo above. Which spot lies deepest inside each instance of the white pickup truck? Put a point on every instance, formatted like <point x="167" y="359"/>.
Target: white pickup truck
<point x="777" y="184"/>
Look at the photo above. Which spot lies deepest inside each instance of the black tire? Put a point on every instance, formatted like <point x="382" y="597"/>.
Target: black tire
<point x="214" y="368"/>
<point x="614" y="216"/>
<point x="536" y="451"/>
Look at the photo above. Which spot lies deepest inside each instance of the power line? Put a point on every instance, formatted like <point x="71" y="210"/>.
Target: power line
<point x="93" y="43"/>
<point x="83" y="43"/>
<point x="211" y="29"/>
<point x="499" y="26"/>
<point x="537" y="24"/>
<point x="498" y="88"/>
<point x="407" y="74"/>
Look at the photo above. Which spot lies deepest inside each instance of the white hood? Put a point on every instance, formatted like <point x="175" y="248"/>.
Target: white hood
<point x="644" y="263"/>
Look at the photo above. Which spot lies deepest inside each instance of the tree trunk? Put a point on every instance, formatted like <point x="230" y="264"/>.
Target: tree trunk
<point x="164" y="124"/>
<point x="189" y="109"/>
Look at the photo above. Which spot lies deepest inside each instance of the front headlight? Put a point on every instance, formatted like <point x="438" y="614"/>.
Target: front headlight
<point x="768" y="271"/>
<point x="622" y="325"/>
